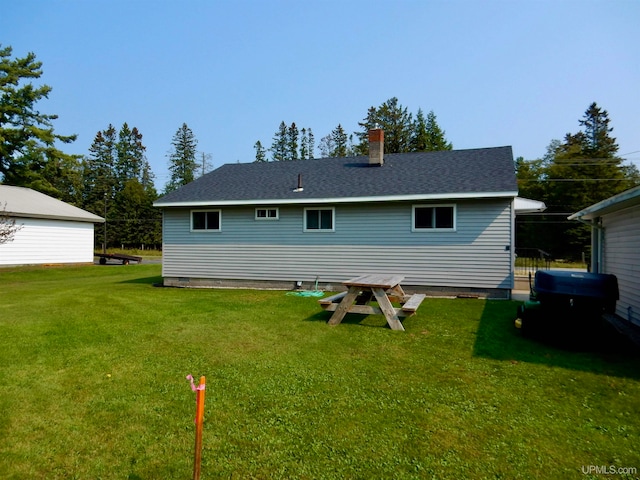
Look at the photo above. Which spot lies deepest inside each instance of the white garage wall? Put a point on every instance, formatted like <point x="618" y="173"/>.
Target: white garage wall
<point x="41" y="241"/>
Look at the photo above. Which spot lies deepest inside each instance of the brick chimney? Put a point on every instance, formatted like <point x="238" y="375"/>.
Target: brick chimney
<point x="376" y="146"/>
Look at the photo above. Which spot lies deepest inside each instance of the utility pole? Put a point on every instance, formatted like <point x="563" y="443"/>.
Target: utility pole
<point x="104" y="244"/>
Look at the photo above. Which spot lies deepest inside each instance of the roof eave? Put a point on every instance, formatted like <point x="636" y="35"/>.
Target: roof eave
<point x="95" y="219"/>
<point x="626" y="199"/>
<point x="382" y="198"/>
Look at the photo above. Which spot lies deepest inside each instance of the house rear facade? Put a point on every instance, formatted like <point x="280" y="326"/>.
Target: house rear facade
<point x="444" y="220"/>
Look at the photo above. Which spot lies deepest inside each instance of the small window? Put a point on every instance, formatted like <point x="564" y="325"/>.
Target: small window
<point x="267" y="214"/>
<point x="434" y="217"/>
<point x="319" y="219"/>
<point x="205" y="220"/>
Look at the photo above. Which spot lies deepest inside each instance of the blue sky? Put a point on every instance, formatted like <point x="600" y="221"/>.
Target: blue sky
<point x="495" y="72"/>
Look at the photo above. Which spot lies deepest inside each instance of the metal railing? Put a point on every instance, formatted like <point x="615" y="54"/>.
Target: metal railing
<point x="530" y="260"/>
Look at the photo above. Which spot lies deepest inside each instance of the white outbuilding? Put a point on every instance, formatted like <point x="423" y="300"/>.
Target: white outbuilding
<point x="49" y="231"/>
<point x="615" y="246"/>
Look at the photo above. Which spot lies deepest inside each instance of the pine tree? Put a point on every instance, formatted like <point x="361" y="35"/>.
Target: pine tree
<point x="339" y="139"/>
<point x="130" y="151"/>
<point x="292" y="142"/>
<point x="304" y="144"/>
<point x="396" y="122"/>
<point x="261" y="153"/>
<point x="182" y="158"/>
<point x="577" y="172"/>
<point x="99" y="175"/>
<point x="279" y="147"/>
<point x="28" y="140"/>
<point x="436" y="138"/>
<point x="311" y="143"/>
<point x="427" y="136"/>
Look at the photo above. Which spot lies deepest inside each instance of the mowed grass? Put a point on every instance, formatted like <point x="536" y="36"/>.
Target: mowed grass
<point x="92" y="385"/>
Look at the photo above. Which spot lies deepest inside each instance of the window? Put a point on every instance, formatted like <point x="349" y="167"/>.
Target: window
<point x="434" y="218"/>
<point x="205" y="220"/>
<point x="267" y="214"/>
<point x="319" y="219"/>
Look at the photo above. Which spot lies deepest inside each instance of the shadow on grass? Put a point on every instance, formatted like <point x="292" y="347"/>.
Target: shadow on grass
<point x="154" y="280"/>
<point x="602" y="351"/>
<point x="377" y="321"/>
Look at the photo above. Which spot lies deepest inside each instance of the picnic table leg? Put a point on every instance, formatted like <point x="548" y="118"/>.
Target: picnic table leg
<point x="398" y="293"/>
<point x="344" y="306"/>
<point x="388" y="310"/>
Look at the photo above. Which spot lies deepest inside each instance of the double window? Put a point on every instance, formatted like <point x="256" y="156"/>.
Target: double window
<point x="319" y="219"/>
<point x="206" y="220"/>
<point x="267" y="214"/>
<point x="428" y="218"/>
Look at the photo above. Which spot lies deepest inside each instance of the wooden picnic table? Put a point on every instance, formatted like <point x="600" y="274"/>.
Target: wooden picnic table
<point x="382" y="288"/>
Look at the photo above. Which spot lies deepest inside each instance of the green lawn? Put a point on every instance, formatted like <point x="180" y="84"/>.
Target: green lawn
<point x="92" y="385"/>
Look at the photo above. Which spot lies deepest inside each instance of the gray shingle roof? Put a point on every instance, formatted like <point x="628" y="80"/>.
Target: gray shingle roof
<point x="26" y="203"/>
<point x="481" y="172"/>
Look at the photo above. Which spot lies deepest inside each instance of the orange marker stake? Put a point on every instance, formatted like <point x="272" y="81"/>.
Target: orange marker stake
<point x="199" y="425"/>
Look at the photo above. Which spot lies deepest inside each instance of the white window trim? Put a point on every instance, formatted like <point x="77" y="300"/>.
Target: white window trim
<point x="267" y="218"/>
<point x="319" y="230"/>
<point x="206" y="230"/>
<point x="432" y="205"/>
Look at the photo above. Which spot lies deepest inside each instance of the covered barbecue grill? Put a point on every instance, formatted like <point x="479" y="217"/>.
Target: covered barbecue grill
<point x="567" y="303"/>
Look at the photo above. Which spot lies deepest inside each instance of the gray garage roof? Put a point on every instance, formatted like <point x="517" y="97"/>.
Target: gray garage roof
<point x="26" y="203"/>
<point x="475" y="173"/>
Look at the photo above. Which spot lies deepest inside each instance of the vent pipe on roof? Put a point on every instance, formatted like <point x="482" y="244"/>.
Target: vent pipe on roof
<point x="299" y="189"/>
<point x="376" y="147"/>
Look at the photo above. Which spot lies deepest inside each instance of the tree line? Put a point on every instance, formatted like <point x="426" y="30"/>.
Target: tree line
<point x="576" y="172"/>
<point x="114" y="179"/>
<point x="403" y="133"/>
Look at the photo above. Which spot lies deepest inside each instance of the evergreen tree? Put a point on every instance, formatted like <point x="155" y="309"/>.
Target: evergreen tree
<point x="311" y="143"/>
<point x="28" y="155"/>
<point x="261" y="153"/>
<point x="182" y="158"/>
<point x="279" y="147"/>
<point x="150" y="216"/>
<point x="292" y="142"/>
<point x="130" y="153"/>
<point x="129" y="213"/>
<point x="304" y="144"/>
<point x="339" y="141"/>
<point x="396" y="122"/>
<point x="575" y="173"/>
<point x="434" y="140"/>
<point x="99" y="177"/>
<point x="420" y="135"/>
<point x="28" y="137"/>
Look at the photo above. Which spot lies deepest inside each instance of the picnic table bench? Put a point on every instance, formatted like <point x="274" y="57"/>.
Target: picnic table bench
<point x="362" y="290"/>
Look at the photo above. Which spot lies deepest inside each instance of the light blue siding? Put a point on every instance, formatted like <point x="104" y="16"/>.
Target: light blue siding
<point x="368" y="238"/>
